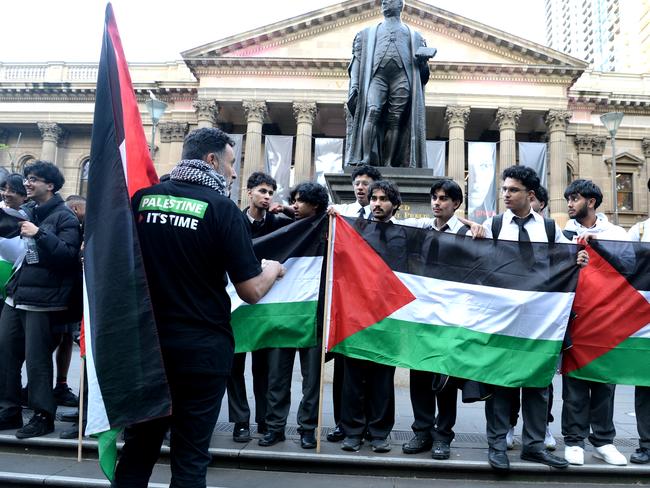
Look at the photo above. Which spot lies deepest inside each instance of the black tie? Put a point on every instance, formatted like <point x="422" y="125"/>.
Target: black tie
<point x="362" y="213"/>
<point x="444" y="228"/>
<point x="526" y="248"/>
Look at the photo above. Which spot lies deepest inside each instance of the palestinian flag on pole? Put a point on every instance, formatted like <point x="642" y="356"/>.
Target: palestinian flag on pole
<point x="126" y="377"/>
<point x="287" y="315"/>
<point x="610" y="334"/>
<point x="430" y="301"/>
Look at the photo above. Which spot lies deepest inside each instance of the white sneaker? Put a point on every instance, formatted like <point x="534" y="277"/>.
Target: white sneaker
<point x="610" y="455"/>
<point x="510" y="438"/>
<point x="575" y="455"/>
<point x="549" y="440"/>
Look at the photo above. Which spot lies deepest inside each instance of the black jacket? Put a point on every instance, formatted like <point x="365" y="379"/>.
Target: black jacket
<point x="271" y="222"/>
<point x="50" y="282"/>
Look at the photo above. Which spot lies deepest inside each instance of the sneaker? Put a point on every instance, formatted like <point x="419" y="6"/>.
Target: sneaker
<point x="380" y="445"/>
<point x="610" y="455"/>
<point x="40" y="424"/>
<point x="549" y="440"/>
<point x="640" y="456"/>
<point x="574" y="455"/>
<point x="64" y="397"/>
<point x="510" y="438"/>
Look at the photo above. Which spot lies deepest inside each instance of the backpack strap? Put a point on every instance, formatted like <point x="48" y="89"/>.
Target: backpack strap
<point x="569" y="234"/>
<point x="497" y="223"/>
<point x="549" y="225"/>
<point x="463" y="230"/>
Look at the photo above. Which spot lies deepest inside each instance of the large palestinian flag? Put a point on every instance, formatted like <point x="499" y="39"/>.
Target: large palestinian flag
<point x="491" y="311"/>
<point x="126" y="378"/>
<point x="287" y="315"/>
<point x="611" y="330"/>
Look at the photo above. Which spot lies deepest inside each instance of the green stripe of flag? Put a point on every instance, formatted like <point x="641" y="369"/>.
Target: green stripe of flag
<point x="456" y="351"/>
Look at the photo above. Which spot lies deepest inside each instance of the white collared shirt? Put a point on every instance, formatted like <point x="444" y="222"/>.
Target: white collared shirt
<point x="454" y="225"/>
<point x="352" y="209"/>
<point x="535" y="228"/>
<point x="252" y="220"/>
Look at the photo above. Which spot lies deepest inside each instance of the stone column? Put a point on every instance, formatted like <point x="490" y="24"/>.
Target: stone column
<point x="51" y="133"/>
<point x="557" y="122"/>
<point x="507" y="118"/>
<point x="457" y="118"/>
<point x="256" y="111"/>
<point x="305" y="113"/>
<point x="172" y="134"/>
<point x="207" y="112"/>
<point x="584" y="144"/>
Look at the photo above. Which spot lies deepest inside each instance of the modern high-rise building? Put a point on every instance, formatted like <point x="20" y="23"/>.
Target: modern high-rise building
<point x="612" y="35"/>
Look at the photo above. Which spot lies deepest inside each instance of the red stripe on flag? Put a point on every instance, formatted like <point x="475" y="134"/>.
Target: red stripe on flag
<point x="364" y="288"/>
<point x="140" y="172"/>
<point x="608" y="311"/>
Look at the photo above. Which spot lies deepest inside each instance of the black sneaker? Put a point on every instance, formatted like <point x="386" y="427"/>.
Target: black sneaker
<point x="64" y="397"/>
<point x="11" y="422"/>
<point x="40" y="424"/>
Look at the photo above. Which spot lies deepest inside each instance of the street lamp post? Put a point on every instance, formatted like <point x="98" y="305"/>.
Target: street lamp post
<point x="612" y="121"/>
<point x="156" y="109"/>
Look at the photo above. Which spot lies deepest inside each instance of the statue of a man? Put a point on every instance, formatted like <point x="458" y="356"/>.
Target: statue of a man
<point x="388" y="72"/>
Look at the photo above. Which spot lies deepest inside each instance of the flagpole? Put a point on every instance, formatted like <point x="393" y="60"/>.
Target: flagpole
<point x="81" y="409"/>
<point x="326" y="319"/>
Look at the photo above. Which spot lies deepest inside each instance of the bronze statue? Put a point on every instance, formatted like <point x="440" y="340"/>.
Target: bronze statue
<point x="388" y="71"/>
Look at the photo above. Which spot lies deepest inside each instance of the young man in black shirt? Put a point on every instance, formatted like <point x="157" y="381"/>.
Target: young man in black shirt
<point x="261" y="188"/>
<point x="191" y="235"/>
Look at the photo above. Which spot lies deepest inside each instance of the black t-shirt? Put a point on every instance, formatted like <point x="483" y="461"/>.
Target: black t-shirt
<point x="191" y="237"/>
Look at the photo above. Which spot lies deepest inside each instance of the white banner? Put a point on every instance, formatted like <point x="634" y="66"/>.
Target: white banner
<point x="236" y="184"/>
<point x="328" y="157"/>
<point x="436" y="157"/>
<point x="278" y="152"/>
<point x="533" y="155"/>
<point x="482" y="196"/>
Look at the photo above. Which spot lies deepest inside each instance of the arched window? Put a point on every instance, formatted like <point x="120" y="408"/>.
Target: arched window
<point x="83" y="177"/>
<point x="24" y="161"/>
<point x="569" y="174"/>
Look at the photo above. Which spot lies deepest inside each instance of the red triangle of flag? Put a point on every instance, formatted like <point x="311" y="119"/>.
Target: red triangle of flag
<point x="608" y="311"/>
<point x="365" y="289"/>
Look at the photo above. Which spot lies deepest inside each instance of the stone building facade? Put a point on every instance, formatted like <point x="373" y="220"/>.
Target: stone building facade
<point x="290" y="78"/>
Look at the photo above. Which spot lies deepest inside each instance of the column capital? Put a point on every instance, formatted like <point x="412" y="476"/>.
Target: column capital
<point x="457" y="116"/>
<point x="305" y="112"/>
<point x="645" y="144"/>
<point x="583" y="143"/>
<point x="256" y="110"/>
<point x="173" y="131"/>
<point x="206" y="110"/>
<point x="557" y="120"/>
<point x="51" y="131"/>
<point x="598" y="145"/>
<point x="508" y="118"/>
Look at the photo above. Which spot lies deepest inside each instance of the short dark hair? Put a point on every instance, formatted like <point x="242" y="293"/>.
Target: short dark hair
<point x="369" y="171"/>
<point x="311" y="193"/>
<point x="47" y="171"/>
<point x="14" y="182"/>
<point x="258" y="178"/>
<point x="450" y="187"/>
<point x="526" y="175"/>
<point x="586" y="189"/>
<point x="75" y="199"/>
<point x="203" y="141"/>
<point x="389" y="188"/>
<point x="542" y="195"/>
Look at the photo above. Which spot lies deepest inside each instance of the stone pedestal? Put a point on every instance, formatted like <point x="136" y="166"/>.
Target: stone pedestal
<point x="413" y="183"/>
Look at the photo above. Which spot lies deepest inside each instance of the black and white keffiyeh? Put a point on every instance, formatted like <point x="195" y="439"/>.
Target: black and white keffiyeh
<point x="201" y="173"/>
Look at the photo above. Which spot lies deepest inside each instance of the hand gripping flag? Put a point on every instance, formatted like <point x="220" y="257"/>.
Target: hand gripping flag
<point x="610" y="333"/>
<point x="126" y="377"/>
<point x="439" y="302"/>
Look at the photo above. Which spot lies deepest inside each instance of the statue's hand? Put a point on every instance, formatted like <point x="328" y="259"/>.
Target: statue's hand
<point x="352" y="100"/>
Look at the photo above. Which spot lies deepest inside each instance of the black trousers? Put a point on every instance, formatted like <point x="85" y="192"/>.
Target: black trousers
<point x="238" y="409"/>
<point x="337" y="386"/>
<point x="196" y="400"/>
<point x="368" y="399"/>
<point x="534" y="410"/>
<point x="26" y="337"/>
<point x="587" y="404"/>
<point x="423" y="400"/>
<point x="515" y="406"/>
<point x="642" y="410"/>
<point x="279" y="392"/>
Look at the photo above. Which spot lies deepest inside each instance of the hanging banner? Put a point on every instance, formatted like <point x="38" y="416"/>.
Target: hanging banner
<point x="482" y="195"/>
<point x="328" y="157"/>
<point x="236" y="184"/>
<point x="533" y="155"/>
<point x="278" y="152"/>
<point x="436" y="157"/>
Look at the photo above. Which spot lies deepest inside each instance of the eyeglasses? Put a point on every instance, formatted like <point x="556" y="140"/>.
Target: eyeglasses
<point x="511" y="189"/>
<point x="32" y="179"/>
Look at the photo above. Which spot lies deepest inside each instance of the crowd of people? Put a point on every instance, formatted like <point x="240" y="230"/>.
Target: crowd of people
<point x="41" y="314"/>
